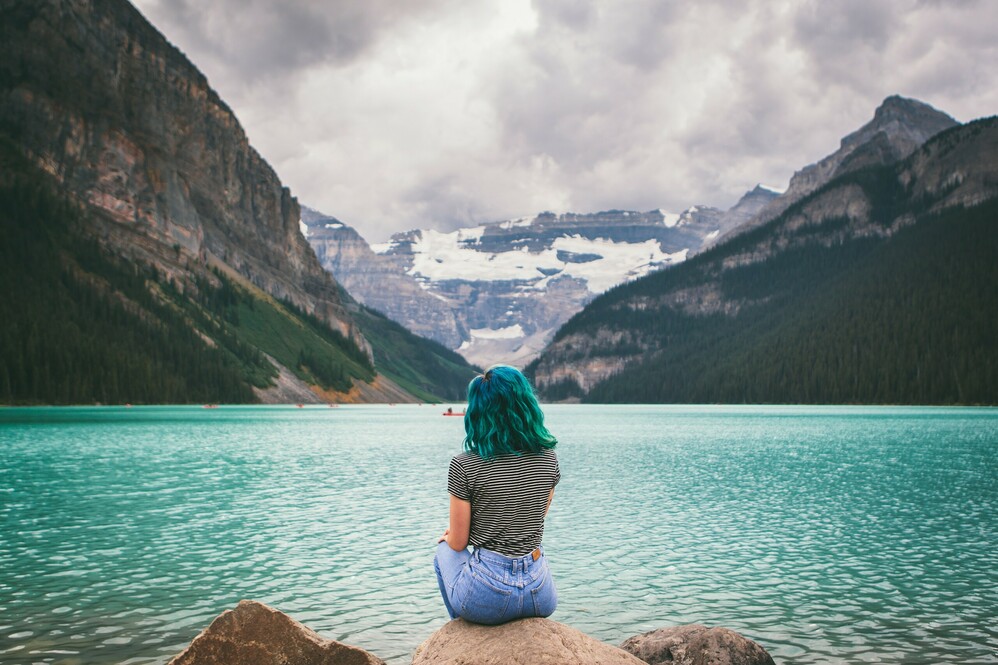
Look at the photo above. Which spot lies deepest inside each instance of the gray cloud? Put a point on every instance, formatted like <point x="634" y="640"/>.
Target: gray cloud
<point x="257" y="41"/>
<point x="442" y="113"/>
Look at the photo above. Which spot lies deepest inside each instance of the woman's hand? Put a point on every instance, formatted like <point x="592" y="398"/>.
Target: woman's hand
<point x="443" y="537"/>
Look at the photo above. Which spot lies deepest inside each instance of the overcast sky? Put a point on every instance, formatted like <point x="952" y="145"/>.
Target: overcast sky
<point x="401" y="114"/>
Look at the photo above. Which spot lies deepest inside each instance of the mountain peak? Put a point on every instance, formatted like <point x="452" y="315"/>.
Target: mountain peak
<point x="906" y="121"/>
<point x="896" y="105"/>
<point x="899" y="126"/>
<point x="764" y="190"/>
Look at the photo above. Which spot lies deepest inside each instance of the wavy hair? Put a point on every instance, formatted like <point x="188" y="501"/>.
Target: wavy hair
<point x="503" y="415"/>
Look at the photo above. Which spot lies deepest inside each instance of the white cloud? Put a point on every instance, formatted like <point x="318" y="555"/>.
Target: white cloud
<point x="440" y="113"/>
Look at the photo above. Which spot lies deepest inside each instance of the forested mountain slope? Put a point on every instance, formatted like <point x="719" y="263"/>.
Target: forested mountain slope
<point x="879" y="287"/>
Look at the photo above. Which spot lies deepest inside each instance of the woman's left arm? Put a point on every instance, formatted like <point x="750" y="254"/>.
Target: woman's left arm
<point x="459" y="531"/>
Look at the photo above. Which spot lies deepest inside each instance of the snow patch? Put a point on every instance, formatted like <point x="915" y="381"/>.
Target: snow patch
<point x="335" y="225"/>
<point x="669" y="218"/>
<point x="712" y="234"/>
<point x="470" y="236"/>
<point x="303" y="228"/>
<point x="438" y="256"/>
<point x="509" y="332"/>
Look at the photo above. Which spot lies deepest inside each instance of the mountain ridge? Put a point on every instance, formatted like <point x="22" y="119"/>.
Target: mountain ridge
<point x="898" y="127"/>
<point x="690" y="333"/>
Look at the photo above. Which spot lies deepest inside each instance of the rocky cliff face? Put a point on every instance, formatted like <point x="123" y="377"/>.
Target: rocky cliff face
<point x="959" y="168"/>
<point x="899" y="126"/>
<point x="750" y="205"/>
<point x="94" y="95"/>
<point x="497" y="292"/>
<point x="380" y="282"/>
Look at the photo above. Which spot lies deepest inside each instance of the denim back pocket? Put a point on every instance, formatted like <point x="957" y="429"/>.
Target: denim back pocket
<point x="481" y="598"/>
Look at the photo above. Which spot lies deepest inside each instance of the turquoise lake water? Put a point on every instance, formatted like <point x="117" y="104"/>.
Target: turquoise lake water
<point x="827" y="534"/>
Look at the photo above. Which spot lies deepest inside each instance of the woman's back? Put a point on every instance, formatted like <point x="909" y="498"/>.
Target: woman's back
<point x="509" y="498"/>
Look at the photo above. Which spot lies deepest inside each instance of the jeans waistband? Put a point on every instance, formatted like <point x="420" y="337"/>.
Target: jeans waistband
<point x="522" y="562"/>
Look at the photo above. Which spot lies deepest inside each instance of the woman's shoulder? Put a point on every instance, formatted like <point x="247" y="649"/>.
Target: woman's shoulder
<point x="466" y="459"/>
<point x="548" y="454"/>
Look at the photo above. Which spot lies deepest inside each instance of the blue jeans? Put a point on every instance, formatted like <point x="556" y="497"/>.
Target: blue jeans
<point x="486" y="587"/>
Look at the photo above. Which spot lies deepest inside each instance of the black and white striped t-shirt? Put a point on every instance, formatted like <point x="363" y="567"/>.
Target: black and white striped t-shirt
<point x="508" y="495"/>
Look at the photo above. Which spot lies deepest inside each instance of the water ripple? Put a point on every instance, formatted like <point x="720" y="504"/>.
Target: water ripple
<point x="829" y="535"/>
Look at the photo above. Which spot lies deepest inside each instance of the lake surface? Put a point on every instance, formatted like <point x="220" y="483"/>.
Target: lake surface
<point x="828" y="534"/>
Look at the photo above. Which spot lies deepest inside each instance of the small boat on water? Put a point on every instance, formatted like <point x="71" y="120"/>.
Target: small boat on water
<point x="211" y="406"/>
<point x="452" y="412"/>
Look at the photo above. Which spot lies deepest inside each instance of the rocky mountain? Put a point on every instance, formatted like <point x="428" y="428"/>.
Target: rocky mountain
<point x="899" y="126"/>
<point x="750" y="205"/>
<point x="878" y="286"/>
<point x="497" y="292"/>
<point x="96" y="97"/>
<point x="380" y="282"/>
<point x="100" y="113"/>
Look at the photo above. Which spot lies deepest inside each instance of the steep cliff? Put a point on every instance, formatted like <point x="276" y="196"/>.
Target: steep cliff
<point x="94" y="95"/>
<point x="104" y="121"/>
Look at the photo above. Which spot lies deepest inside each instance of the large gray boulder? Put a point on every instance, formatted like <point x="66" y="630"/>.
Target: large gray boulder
<point x="523" y="642"/>
<point x="256" y="634"/>
<point x="694" y="644"/>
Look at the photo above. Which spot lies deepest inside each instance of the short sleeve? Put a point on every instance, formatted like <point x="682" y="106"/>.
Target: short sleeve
<point x="457" y="481"/>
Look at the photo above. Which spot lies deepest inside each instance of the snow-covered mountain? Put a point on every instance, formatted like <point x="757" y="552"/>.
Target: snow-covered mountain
<point x="497" y="292"/>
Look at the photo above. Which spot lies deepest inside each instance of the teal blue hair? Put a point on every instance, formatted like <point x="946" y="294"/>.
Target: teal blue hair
<point x="503" y="415"/>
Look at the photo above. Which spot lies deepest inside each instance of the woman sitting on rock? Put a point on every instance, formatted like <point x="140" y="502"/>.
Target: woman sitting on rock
<point x="500" y="490"/>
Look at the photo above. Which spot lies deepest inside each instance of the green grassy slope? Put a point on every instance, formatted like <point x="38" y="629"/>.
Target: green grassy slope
<point x="425" y="368"/>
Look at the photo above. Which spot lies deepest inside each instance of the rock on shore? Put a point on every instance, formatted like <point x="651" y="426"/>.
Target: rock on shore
<point x="254" y="633"/>
<point x="523" y="642"/>
<point x="694" y="644"/>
